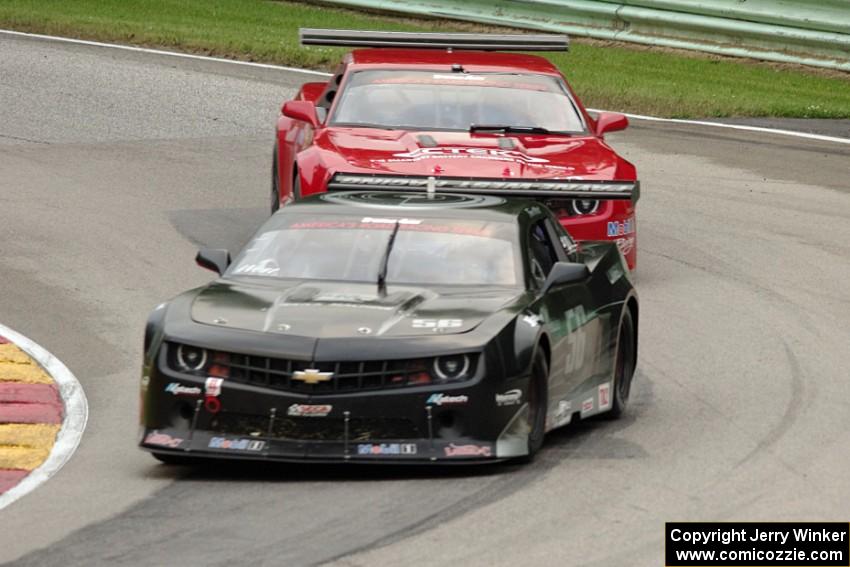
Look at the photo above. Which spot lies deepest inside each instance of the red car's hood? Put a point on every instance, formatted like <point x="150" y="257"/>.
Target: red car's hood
<point x="459" y="154"/>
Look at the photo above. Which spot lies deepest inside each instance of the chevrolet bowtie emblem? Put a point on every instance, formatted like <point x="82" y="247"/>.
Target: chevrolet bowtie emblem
<point x="312" y="376"/>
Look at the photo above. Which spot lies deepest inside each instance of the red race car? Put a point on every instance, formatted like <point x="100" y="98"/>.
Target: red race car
<point x="447" y="111"/>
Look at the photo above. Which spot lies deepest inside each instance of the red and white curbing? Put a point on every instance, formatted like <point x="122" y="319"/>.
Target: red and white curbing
<point x="72" y="426"/>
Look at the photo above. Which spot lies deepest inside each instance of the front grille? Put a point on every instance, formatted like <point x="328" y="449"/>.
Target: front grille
<point x="347" y="376"/>
<point x="315" y="428"/>
<point x="280" y="373"/>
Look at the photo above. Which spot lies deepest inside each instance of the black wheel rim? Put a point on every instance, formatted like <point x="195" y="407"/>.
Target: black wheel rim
<point x="624" y="374"/>
<point x="275" y="185"/>
<point x="533" y="405"/>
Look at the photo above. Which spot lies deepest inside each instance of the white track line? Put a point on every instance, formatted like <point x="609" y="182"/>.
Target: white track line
<point x="161" y="52"/>
<point x="73" y="425"/>
<point x="759" y="129"/>
<point x="806" y="135"/>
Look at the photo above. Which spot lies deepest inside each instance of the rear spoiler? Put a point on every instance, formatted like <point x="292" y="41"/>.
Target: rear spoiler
<point x="575" y="189"/>
<point x="476" y="41"/>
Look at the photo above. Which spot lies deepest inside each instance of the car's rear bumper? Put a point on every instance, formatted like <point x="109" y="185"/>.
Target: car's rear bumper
<point x="615" y="222"/>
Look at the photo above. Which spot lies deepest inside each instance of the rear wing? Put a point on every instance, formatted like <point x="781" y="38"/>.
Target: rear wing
<point x="575" y="189"/>
<point x="476" y="41"/>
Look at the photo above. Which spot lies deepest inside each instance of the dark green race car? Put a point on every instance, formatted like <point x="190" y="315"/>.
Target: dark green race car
<point x="391" y="325"/>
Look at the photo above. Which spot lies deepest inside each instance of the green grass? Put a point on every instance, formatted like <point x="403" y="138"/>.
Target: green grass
<point x="610" y="76"/>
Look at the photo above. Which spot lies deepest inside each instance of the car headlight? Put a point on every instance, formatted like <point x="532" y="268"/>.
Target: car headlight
<point x="584" y="206"/>
<point x="453" y="367"/>
<point x="190" y="358"/>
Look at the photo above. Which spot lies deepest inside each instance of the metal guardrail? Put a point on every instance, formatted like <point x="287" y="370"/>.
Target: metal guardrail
<point x="811" y="32"/>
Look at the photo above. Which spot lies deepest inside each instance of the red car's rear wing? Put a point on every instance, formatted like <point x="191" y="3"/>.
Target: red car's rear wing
<point x="476" y="41"/>
<point x="575" y="189"/>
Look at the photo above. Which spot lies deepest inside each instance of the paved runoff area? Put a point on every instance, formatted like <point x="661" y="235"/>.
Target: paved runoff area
<point x="30" y="414"/>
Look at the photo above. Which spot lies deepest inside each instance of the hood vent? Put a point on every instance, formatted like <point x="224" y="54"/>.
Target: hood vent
<point x="427" y="141"/>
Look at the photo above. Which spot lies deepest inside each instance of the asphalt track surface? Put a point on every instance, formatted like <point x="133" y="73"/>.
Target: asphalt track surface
<point x="115" y="166"/>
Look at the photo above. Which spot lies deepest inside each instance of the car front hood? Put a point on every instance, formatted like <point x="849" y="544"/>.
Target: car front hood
<point x="345" y="310"/>
<point x="460" y="154"/>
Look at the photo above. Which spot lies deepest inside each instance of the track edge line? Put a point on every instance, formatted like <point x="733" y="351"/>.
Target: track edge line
<point x="776" y="131"/>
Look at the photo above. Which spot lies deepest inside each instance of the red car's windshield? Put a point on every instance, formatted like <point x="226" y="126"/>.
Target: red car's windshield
<point x="432" y="100"/>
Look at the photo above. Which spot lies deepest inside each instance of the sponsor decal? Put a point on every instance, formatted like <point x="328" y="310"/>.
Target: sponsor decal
<point x="460" y="77"/>
<point x="443" y="399"/>
<point x="616" y="228"/>
<point x="311" y="376"/>
<point x="453" y="450"/>
<point x="408" y="448"/>
<point x="370" y="220"/>
<point x="564" y="408"/>
<point x="475" y="153"/>
<point x="563" y="414"/>
<point x="437" y="323"/>
<point x="178" y="389"/>
<point x="212" y="390"/>
<point x="257" y="269"/>
<point x="309" y="410"/>
<point x="236" y="444"/>
<point x="163" y="440"/>
<point x="626" y="244"/>
<point x="333" y="297"/>
<point x="532" y="320"/>
<point x="452" y="228"/>
<point x="509" y="398"/>
<point x="212" y="387"/>
<point x="572" y="185"/>
<point x="587" y="405"/>
<point x="605" y="396"/>
<point x="386" y="449"/>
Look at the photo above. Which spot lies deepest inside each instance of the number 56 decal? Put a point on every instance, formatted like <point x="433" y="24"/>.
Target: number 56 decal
<point x="437" y="323"/>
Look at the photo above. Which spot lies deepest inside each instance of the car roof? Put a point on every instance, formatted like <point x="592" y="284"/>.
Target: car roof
<point x="470" y="60"/>
<point x="391" y="203"/>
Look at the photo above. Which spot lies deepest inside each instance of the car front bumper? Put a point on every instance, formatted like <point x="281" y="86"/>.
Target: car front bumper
<point x="459" y="423"/>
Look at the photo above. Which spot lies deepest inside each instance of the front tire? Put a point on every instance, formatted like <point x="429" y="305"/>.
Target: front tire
<point x="296" y="187"/>
<point x="538" y="397"/>
<point x="624" y="366"/>
<point x="275" y="183"/>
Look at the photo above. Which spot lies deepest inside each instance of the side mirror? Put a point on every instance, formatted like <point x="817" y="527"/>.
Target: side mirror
<point x="610" y="122"/>
<point x="301" y="110"/>
<point x="215" y="259"/>
<point x="565" y="273"/>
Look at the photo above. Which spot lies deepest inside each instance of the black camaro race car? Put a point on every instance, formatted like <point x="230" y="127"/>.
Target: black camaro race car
<point x="395" y="324"/>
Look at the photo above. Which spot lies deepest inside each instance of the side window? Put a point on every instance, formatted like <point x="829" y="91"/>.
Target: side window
<point x="541" y="252"/>
<point x="564" y="241"/>
<point x="323" y="105"/>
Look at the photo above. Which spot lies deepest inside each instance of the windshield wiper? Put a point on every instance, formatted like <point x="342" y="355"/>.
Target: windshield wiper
<point x="507" y="129"/>
<point x="382" y="274"/>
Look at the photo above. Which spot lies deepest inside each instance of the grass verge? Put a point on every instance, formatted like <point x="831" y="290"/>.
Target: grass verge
<point x="611" y="76"/>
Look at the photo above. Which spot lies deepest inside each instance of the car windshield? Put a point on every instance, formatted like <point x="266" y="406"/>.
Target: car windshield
<point x="343" y="248"/>
<point x="455" y="101"/>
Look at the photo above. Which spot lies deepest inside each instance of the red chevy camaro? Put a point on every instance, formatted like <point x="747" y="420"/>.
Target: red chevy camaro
<point x="408" y="110"/>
